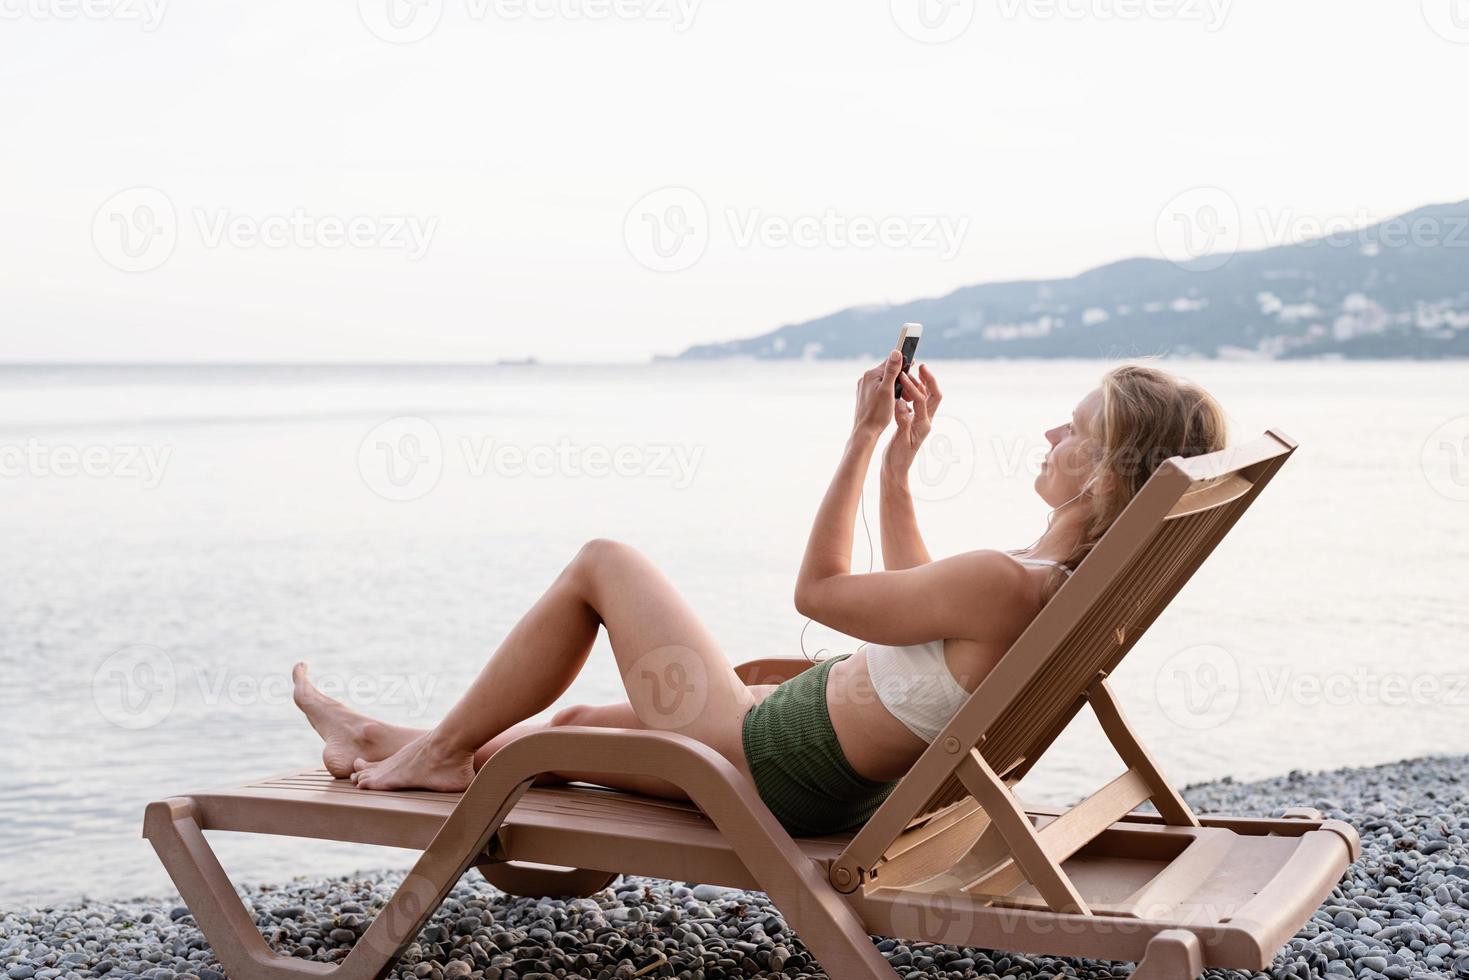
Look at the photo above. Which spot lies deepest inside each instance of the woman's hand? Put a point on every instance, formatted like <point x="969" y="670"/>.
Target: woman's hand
<point x="913" y="414"/>
<point x="875" y="398"/>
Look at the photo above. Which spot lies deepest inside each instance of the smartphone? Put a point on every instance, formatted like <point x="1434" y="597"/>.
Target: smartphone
<point x="908" y="339"/>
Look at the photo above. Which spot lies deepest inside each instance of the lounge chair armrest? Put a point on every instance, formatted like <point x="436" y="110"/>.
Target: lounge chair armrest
<point x="711" y="780"/>
<point x="1301" y="885"/>
<point x="771" y="670"/>
<point x="796" y="881"/>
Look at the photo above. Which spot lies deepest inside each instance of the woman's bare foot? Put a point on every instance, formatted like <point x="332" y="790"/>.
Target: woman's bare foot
<point x="421" y="764"/>
<point x="349" y="735"/>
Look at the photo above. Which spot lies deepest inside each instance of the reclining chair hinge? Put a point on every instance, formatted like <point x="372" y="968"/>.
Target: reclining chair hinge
<point x="847" y="879"/>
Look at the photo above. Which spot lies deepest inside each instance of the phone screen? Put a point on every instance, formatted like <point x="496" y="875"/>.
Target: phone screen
<point x="910" y="347"/>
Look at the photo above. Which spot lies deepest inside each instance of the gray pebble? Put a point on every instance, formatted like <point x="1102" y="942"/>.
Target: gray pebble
<point x="709" y="893"/>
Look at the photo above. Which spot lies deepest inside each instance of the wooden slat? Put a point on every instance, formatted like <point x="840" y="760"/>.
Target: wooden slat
<point x="924" y="830"/>
<point x="1075" y="828"/>
<point x="1071" y="831"/>
<point x="937" y="854"/>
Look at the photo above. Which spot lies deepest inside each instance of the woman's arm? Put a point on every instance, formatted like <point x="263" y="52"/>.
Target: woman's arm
<point x="829" y="548"/>
<point x="902" y="544"/>
<point x="979" y="595"/>
<point x="971" y="595"/>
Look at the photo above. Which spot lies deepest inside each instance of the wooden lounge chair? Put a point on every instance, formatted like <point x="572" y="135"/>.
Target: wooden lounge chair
<point x="951" y="856"/>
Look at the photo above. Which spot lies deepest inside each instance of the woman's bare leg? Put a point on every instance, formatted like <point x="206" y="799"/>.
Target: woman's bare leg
<point x="676" y="677"/>
<point x="351" y="735"/>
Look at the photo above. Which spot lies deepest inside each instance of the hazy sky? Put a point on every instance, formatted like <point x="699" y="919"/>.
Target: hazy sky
<point x="470" y="179"/>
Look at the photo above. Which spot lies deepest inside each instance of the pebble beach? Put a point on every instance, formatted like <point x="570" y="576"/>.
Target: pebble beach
<point x="1401" y="911"/>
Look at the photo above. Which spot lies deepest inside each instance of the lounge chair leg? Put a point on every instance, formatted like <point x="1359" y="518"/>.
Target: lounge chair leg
<point x="1173" y="954"/>
<point x="827" y="925"/>
<point x="172" y="826"/>
<point x="175" y="827"/>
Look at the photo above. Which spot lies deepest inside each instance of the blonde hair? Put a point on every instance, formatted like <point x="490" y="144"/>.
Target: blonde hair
<point x="1148" y="415"/>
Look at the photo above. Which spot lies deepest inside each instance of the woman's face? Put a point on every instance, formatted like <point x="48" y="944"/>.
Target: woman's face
<point x="1068" y="464"/>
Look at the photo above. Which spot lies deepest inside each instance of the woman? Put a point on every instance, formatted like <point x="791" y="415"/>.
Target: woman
<point x="824" y="748"/>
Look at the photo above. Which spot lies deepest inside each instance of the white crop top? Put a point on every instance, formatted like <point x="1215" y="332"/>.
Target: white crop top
<point x="914" y="682"/>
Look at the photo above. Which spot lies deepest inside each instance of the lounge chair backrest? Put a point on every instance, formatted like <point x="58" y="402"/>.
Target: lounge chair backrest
<point x="1166" y="531"/>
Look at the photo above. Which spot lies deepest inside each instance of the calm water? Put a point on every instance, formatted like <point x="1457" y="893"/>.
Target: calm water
<point x="174" y="540"/>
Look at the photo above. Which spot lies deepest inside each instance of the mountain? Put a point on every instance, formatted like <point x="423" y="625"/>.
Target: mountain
<point x="1396" y="289"/>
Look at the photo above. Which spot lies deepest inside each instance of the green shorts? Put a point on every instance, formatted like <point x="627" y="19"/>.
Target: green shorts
<point x="798" y="765"/>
